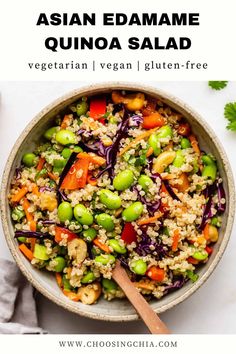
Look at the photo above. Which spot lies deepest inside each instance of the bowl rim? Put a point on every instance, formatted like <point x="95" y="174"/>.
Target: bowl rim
<point x="119" y="85"/>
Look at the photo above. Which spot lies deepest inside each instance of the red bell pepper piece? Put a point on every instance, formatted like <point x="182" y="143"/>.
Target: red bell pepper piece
<point x="76" y="178"/>
<point x="156" y="273"/>
<point x="129" y="234"/>
<point x="209" y="249"/>
<point x="97" y="107"/>
<point x="62" y="230"/>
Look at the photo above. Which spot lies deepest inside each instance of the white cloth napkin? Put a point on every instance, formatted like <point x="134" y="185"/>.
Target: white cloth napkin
<point x="17" y="305"/>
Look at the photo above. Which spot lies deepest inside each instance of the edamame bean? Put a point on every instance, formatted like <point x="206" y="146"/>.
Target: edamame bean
<point x="105" y="221"/>
<point x="110" y="199"/>
<point x="40" y="252"/>
<point x="115" y="245"/>
<point x="51" y="132"/>
<point x="139" y="267"/>
<point x="179" y="159"/>
<point x="66" y="152"/>
<point x="133" y="212"/>
<point x="65" y="212"/>
<point x="200" y="255"/>
<point x="165" y="132"/>
<point x="215" y="221"/>
<point x="210" y="171"/>
<point x="17" y="213"/>
<point x="81" y="108"/>
<point x="105" y="259"/>
<point x="59" y="163"/>
<point x="29" y="159"/>
<point x="66" y="137"/>
<point x="88" y="278"/>
<point x="59" y="264"/>
<point x="185" y="143"/>
<point x="83" y="215"/>
<point x="145" y="182"/>
<point x="123" y="180"/>
<point x="22" y="239"/>
<point x="109" y="284"/>
<point x="207" y="160"/>
<point x="154" y="142"/>
<point x="90" y="234"/>
<point x="77" y="149"/>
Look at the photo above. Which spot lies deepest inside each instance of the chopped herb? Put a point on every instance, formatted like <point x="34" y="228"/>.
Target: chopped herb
<point x="230" y="114"/>
<point x="217" y="85"/>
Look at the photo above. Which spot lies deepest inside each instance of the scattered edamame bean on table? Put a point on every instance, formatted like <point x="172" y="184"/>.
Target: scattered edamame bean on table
<point x="118" y="176"/>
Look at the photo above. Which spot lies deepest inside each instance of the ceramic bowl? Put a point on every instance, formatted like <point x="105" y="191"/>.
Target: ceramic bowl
<point x="116" y="310"/>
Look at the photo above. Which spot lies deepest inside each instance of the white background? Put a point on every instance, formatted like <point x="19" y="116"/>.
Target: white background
<point x="212" y="42"/>
<point x="211" y="309"/>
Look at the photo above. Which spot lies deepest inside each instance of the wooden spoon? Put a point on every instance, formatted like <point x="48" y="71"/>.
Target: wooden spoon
<point x="150" y="318"/>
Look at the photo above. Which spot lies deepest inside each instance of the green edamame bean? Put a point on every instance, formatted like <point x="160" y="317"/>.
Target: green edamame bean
<point x="210" y="171"/>
<point x="179" y="159"/>
<point x="123" y="180"/>
<point x="110" y="199"/>
<point x="192" y="276"/>
<point x="88" y="278"/>
<point x="65" y="212"/>
<point x="51" y="132"/>
<point x="185" y="143"/>
<point x="200" y="255"/>
<point x="90" y="234"/>
<point x="207" y="160"/>
<point x="83" y="215"/>
<point x="65" y="137"/>
<point x="139" y="267"/>
<point x="66" y="283"/>
<point x="105" y="259"/>
<point x="154" y="142"/>
<point x="109" y="284"/>
<point x="133" y="212"/>
<point x="22" y="239"/>
<point x="17" y="213"/>
<point x="29" y="159"/>
<point x="215" y="221"/>
<point x="66" y="152"/>
<point x="165" y="132"/>
<point x="57" y="170"/>
<point x="59" y="163"/>
<point x="81" y="108"/>
<point x="40" y="252"/>
<point x="60" y="264"/>
<point x="105" y="221"/>
<point x="115" y="245"/>
<point x="145" y="182"/>
<point x="77" y="149"/>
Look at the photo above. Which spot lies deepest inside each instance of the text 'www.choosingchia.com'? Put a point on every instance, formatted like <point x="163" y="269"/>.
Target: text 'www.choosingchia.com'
<point x="117" y="344"/>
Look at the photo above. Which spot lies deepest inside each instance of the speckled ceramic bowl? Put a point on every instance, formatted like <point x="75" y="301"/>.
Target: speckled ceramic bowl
<point x="116" y="310"/>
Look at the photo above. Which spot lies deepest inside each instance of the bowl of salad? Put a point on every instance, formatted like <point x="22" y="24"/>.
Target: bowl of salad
<point x="117" y="171"/>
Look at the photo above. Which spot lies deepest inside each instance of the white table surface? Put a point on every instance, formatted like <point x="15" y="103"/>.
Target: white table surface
<point x="212" y="309"/>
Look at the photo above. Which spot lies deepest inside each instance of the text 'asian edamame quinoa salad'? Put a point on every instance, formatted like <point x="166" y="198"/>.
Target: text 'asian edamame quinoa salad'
<point x="118" y="176"/>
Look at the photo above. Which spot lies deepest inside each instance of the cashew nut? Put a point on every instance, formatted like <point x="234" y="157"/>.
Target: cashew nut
<point x="132" y="101"/>
<point x="48" y="202"/>
<point x="77" y="249"/>
<point x="90" y="293"/>
<point x="163" y="160"/>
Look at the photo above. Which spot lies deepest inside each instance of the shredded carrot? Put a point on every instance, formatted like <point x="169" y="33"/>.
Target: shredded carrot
<point x="33" y="225"/>
<point x="59" y="280"/>
<point x="26" y="251"/>
<point x="142" y="136"/>
<point x="150" y="220"/>
<point x="175" y="240"/>
<point x="26" y="205"/>
<point x="66" y="121"/>
<point x="194" y="143"/>
<point x="35" y="190"/>
<point x="71" y="295"/>
<point x="149" y="152"/>
<point x="40" y="164"/>
<point x="52" y="176"/>
<point x="101" y="245"/>
<point x="19" y="195"/>
<point x="206" y="231"/>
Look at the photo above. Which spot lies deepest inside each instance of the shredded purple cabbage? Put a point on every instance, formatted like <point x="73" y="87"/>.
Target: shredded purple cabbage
<point x="123" y="262"/>
<point x="96" y="147"/>
<point x="170" y="190"/>
<point x="177" y="284"/>
<point x="47" y="222"/>
<point x="62" y="196"/>
<point x="117" y="108"/>
<point x="135" y="121"/>
<point x="45" y="188"/>
<point x="221" y="195"/>
<point x="151" y="207"/>
<point x="32" y="234"/>
<point x="143" y="247"/>
<point x="18" y="173"/>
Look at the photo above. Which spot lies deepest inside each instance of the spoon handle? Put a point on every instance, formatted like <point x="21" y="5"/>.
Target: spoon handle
<point x="150" y="318"/>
